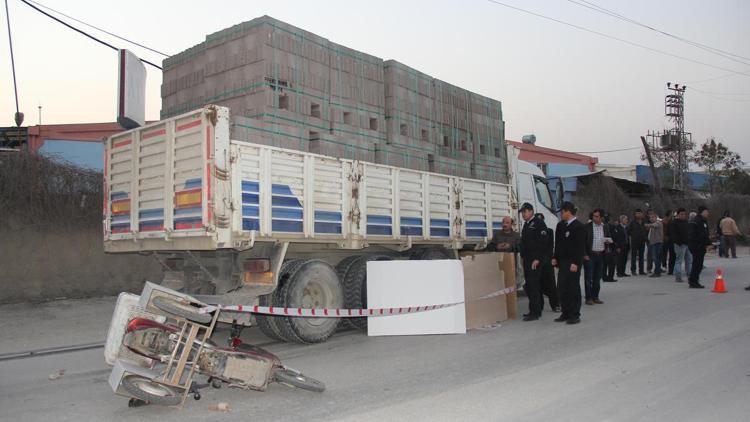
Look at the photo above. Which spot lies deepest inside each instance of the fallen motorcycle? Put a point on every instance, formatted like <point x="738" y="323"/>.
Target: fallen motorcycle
<point x="239" y="365"/>
<point x="159" y="340"/>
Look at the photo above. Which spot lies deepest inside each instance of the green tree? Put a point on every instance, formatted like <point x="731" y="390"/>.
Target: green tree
<point x="717" y="160"/>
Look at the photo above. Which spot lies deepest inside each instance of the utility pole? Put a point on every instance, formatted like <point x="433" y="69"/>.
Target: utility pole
<point x="673" y="143"/>
<point x="654" y="174"/>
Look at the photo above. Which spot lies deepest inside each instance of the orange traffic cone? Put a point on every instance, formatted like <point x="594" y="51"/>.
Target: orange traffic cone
<point x="719" y="283"/>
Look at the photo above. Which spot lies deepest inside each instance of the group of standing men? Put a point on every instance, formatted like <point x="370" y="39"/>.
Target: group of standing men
<point x="600" y="249"/>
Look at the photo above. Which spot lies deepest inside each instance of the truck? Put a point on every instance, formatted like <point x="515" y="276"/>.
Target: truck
<point x="236" y="222"/>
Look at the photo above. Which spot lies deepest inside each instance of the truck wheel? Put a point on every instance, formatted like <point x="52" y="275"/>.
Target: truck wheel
<point x="182" y="310"/>
<point x="314" y="284"/>
<point x="267" y="323"/>
<point x="145" y="389"/>
<point x="428" y="254"/>
<point x="355" y="287"/>
<point x="278" y="322"/>
<point x="342" y="269"/>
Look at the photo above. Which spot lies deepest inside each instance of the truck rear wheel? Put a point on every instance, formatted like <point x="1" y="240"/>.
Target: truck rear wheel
<point x="313" y="284"/>
<point x="355" y="287"/>
<point x="267" y="323"/>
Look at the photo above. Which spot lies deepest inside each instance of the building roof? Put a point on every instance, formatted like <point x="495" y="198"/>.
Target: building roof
<point x="537" y="154"/>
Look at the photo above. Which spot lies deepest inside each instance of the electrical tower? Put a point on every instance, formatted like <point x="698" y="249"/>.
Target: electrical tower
<point x="673" y="142"/>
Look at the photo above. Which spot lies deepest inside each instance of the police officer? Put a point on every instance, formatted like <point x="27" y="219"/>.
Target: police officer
<point x="534" y="252"/>
<point x="570" y="247"/>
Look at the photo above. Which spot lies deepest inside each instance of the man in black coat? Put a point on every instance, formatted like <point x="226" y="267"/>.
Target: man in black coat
<point x="610" y="254"/>
<point x="549" y="287"/>
<point x="534" y="252"/>
<point x="698" y="241"/>
<point x="570" y="247"/>
<point x="597" y="236"/>
<point x="638" y="236"/>
<point x="622" y="244"/>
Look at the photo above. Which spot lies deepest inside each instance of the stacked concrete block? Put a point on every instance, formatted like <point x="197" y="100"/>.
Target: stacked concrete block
<point x="290" y="88"/>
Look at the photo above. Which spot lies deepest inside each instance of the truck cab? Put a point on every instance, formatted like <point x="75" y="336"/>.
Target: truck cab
<point x="532" y="186"/>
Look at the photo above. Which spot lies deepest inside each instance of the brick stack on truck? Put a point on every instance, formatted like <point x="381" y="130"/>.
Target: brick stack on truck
<point x="271" y="178"/>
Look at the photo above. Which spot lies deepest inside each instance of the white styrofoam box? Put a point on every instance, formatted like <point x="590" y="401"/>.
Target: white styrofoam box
<point x="127" y="308"/>
<point x="403" y="284"/>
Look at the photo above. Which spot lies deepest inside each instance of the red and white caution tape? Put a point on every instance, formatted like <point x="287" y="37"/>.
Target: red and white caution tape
<point x="342" y="313"/>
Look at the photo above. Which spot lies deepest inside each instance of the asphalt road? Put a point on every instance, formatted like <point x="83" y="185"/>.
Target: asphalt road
<point x="655" y="350"/>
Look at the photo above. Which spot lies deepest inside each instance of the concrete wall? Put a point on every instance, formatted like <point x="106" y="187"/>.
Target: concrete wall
<point x="37" y="265"/>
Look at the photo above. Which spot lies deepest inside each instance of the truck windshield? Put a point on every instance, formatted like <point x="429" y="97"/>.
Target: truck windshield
<point x="542" y="193"/>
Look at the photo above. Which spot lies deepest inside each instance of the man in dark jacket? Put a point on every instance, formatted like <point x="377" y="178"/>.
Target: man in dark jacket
<point x="622" y="244"/>
<point x="534" y="250"/>
<point x="597" y="241"/>
<point x="610" y="252"/>
<point x="679" y="234"/>
<point x="638" y="236"/>
<point x="549" y="287"/>
<point x="698" y="242"/>
<point x="570" y="247"/>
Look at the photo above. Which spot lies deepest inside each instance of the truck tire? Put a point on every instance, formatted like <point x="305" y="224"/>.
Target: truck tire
<point x="314" y="284"/>
<point x="182" y="310"/>
<point x="278" y="322"/>
<point x="428" y="254"/>
<point x="342" y="269"/>
<point x="355" y="287"/>
<point x="150" y="391"/>
<point x="267" y="323"/>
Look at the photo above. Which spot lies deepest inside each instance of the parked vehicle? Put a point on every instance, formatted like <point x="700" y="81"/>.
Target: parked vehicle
<point x="247" y="223"/>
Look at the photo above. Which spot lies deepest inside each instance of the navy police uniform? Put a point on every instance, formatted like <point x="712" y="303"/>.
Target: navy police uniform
<point x="570" y="247"/>
<point x="534" y="246"/>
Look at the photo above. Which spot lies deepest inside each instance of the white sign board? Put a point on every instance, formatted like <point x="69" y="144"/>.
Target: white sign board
<point x="131" y="91"/>
<point x="403" y="284"/>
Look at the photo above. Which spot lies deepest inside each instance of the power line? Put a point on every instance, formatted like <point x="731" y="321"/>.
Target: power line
<point x="612" y="37"/>
<point x="12" y="60"/>
<point x="719" y="93"/>
<point x="98" y="29"/>
<point x="593" y="6"/>
<point x="81" y="32"/>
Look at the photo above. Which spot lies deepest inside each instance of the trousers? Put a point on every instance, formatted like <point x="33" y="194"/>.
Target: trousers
<point x="569" y="286"/>
<point x="533" y="287"/>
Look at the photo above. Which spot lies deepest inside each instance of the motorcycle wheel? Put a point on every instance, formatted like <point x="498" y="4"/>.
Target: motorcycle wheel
<point x="295" y="379"/>
<point x="147" y="390"/>
<point x="181" y="310"/>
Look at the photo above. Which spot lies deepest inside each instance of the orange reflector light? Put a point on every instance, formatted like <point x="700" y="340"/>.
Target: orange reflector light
<point x="187" y="198"/>
<point x="120" y="207"/>
<point x="257" y="265"/>
<point x="257" y="278"/>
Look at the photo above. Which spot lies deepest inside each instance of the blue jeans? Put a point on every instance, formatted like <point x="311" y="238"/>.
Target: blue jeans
<point x="593" y="270"/>
<point x="655" y="253"/>
<point x="681" y="260"/>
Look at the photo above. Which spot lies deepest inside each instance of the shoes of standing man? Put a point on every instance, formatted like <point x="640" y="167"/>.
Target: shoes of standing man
<point x="598" y="302"/>
<point x="589" y="302"/>
<point x="531" y="318"/>
<point x="678" y="279"/>
<point x="623" y="275"/>
<point x="642" y="273"/>
<point x="559" y="309"/>
<point x="610" y="280"/>
<point x="573" y="321"/>
<point x="696" y="286"/>
<point x="655" y="275"/>
<point x="747" y="288"/>
<point x="561" y="319"/>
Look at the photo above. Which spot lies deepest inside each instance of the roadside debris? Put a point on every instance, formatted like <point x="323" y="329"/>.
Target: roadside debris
<point x="220" y="407"/>
<point x="57" y="375"/>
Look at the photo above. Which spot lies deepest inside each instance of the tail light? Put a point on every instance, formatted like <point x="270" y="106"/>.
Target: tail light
<point x="257" y="265"/>
<point x="257" y="271"/>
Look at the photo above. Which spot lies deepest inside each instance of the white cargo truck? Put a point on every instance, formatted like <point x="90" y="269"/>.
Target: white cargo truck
<point x="238" y="222"/>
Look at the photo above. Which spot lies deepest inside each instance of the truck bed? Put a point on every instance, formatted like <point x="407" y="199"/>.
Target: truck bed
<point x="182" y="184"/>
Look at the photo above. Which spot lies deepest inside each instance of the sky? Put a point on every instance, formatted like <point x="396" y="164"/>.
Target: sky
<point x="574" y="90"/>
